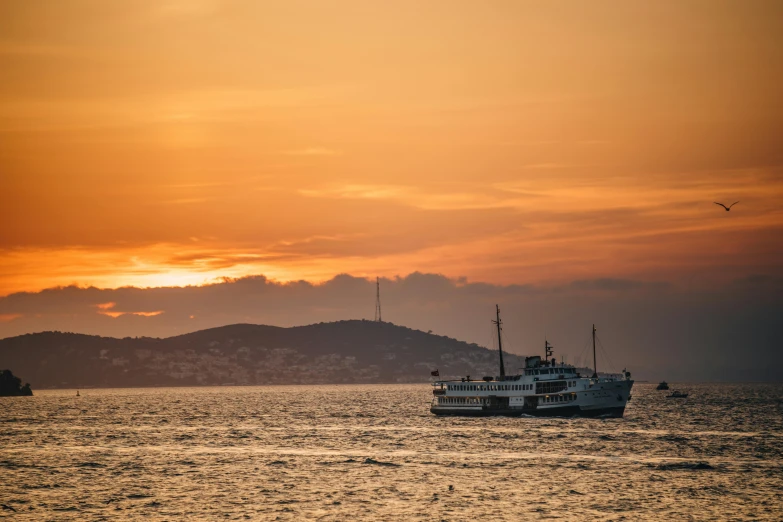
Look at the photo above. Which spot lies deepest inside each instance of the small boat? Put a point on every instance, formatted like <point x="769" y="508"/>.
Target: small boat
<point x="677" y="395"/>
<point x="663" y="386"/>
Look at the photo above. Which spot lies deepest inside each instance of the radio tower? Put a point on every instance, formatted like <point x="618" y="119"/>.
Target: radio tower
<point x="378" y="300"/>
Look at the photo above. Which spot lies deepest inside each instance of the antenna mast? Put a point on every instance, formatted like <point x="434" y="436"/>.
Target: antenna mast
<point x="500" y="346"/>
<point x="378" y="300"/>
<point x="595" y="364"/>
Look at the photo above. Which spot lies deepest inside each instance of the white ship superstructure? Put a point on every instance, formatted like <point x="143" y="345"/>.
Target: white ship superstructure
<point x="543" y="388"/>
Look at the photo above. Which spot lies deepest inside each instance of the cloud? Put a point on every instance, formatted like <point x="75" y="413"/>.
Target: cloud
<point x="445" y="197"/>
<point x="615" y="285"/>
<point x="313" y="151"/>
<point x="657" y="330"/>
<point x="352" y="191"/>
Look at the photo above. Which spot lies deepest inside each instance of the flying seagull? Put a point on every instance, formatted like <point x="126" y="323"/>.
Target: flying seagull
<point x="724" y="206"/>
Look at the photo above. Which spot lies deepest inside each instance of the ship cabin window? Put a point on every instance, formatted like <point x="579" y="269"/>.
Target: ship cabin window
<point x="545" y="387"/>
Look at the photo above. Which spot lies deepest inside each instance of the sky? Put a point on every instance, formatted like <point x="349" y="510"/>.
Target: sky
<point x="549" y="145"/>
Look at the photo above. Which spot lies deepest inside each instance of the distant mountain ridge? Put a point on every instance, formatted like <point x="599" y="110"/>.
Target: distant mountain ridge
<point x="355" y="351"/>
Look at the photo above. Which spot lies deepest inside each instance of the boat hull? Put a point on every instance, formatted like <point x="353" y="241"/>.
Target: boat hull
<point x="565" y="411"/>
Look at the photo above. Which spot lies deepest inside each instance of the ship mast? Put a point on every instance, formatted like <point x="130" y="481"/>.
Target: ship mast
<point x="500" y="346"/>
<point x="595" y="364"/>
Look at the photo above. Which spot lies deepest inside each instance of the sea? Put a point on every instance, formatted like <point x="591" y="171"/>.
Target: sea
<point x="375" y="452"/>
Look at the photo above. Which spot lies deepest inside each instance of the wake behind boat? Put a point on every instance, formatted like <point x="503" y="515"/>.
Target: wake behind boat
<point x="546" y="388"/>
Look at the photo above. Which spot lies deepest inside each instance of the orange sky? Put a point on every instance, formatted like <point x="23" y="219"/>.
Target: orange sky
<point x="176" y="142"/>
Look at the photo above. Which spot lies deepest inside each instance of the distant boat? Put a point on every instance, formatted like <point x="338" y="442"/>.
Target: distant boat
<point x="663" y="386"/>
<point x="543" y="388"/>
<point x="676" y="395"/>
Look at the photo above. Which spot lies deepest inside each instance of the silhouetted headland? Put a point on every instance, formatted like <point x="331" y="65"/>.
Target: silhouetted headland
<point x="11" y="386"/>
<point x="245" y="354"/>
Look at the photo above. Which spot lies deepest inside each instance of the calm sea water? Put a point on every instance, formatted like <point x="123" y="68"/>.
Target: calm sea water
<point x="376" y="453"/>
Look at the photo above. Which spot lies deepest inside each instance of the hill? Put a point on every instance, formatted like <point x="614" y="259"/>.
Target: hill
<point x="247" y="354"/>
<point x="11" y="386"/>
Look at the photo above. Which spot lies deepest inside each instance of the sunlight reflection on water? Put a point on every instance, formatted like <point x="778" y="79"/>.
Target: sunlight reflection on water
<point x="370" y="452"/>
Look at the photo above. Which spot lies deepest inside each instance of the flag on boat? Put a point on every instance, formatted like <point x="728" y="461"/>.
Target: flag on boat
<point x="435" y="373"/>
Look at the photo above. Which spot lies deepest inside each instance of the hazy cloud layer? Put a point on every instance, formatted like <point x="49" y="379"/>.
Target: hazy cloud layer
<point x="655" y="330"/>
<point x="153" y="143"/>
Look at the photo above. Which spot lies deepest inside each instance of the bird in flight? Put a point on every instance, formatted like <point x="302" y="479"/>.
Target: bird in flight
<point x="724" y="206"/>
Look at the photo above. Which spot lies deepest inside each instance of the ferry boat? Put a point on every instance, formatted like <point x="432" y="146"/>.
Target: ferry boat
<point x="542" y="388"/>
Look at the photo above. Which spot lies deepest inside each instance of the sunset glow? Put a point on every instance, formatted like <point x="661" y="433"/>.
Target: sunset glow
<point x="178" y="143"/>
